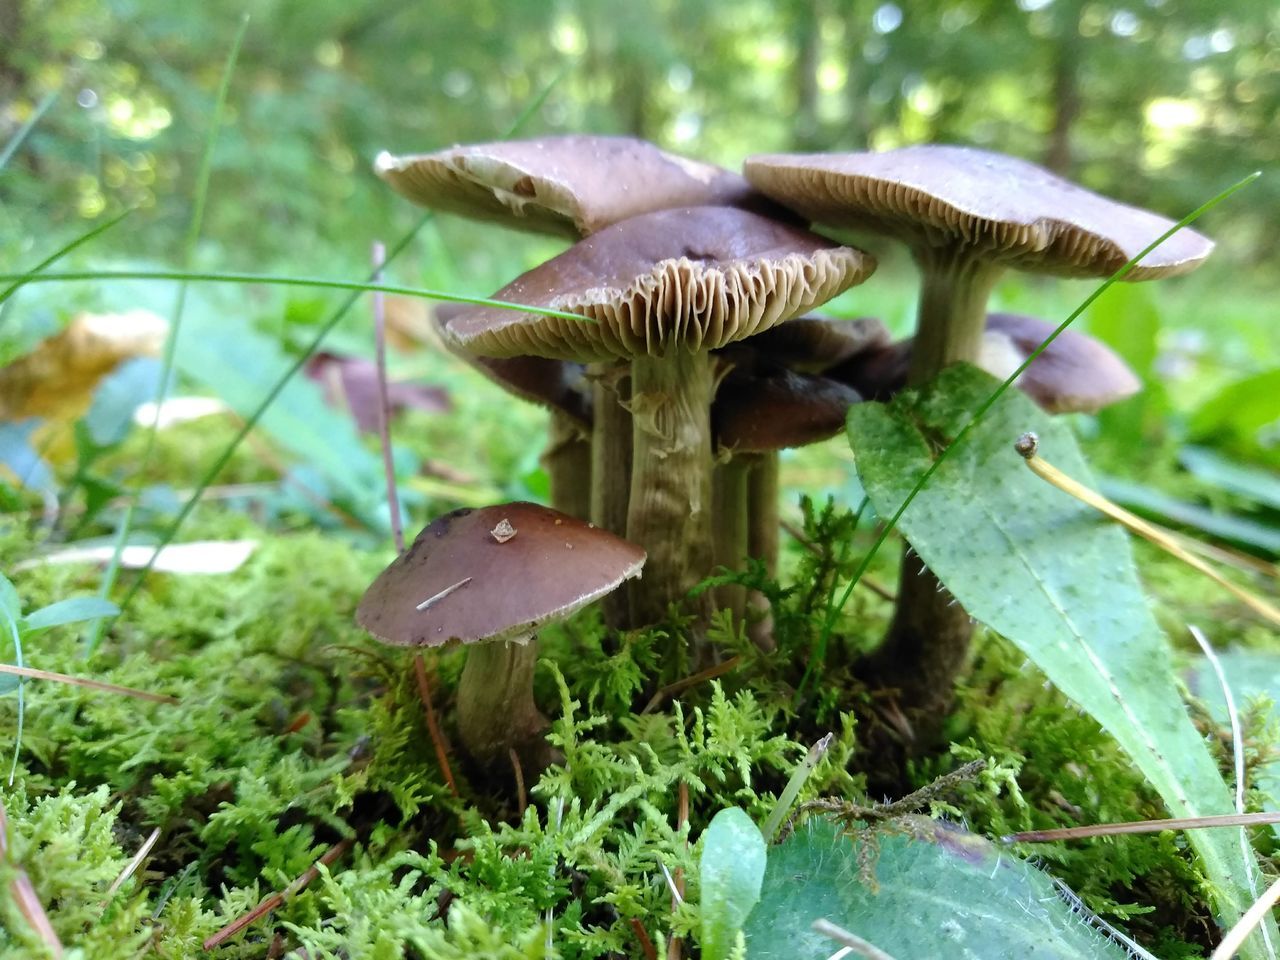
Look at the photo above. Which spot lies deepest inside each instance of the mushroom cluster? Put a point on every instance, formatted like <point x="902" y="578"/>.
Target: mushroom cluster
<point x="695" y="360"/>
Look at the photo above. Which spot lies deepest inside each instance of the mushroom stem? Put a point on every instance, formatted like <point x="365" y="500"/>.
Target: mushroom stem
<point x="928" y="639"/>
<point x="567" y="460"/>
<point x="496" y="712"/>
<point x="729" y="484"/>
<point x="952" y="312"/>
<point x="762" y="541"/>
<point x="669" y="514"/>
<point x="611" y="468"/>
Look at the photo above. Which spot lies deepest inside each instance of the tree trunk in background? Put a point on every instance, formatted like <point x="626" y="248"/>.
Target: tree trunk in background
<point x="806" y="31"/>
<point x="857" y="108"/>
<point x="1058" y="155"/>
<point x="12" y="76"/>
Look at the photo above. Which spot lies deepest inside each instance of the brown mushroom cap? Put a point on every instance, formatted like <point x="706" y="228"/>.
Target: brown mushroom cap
<point x="938" y="196"/>
<point x="476" y="581"/>
<point x="1075" y="373"/>
<point x="759" y="414"/>
<point x="568" y="185"/>
<point x="556" y="384"/>
<point x="696" y="278"/>
<point x="812" y="344"/>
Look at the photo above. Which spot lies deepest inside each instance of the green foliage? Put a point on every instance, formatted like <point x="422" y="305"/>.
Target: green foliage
<point x="731" y="871"/>
<point x="1050" y="576"/>
<point x="906" y="885"/>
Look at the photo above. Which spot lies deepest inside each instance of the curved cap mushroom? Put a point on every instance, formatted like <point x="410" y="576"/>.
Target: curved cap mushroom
<point x="662" y="290"/>
<point x="778" y="410"/>
<point x="966" y="215"/>
<point x="496" y="573"/>
<point x="486" y="576"/>
<point x="695" y="278"/>
<point x="1074" y="374"/>
<point x="567" y="185"/>
<point x="813" y="344"/>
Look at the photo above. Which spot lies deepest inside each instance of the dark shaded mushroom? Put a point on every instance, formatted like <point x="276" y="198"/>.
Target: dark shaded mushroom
<point x="659" y="292"/>
<point x="491" y="579"/>
<point x="966" y="216"/>
<point x="1074" y="374"/>
<point x="562" y="387"/>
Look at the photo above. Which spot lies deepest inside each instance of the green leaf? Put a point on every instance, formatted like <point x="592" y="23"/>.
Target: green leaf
<point x="1261" y="486"/>
<point x="918" y="889"/>
<point x="1053" y="576"/>
<point x="732" y="869"/>
<point x="1240" y="417"/>
<point x="10" y="602"/>
<point x="71" y="610"/>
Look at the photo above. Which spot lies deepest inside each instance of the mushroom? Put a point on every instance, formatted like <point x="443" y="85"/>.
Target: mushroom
<point x="966" y="215"/>
<point x="758" y="411"/>
<point x="491" y="579"/>
<point x="568" y="186"/>
<point x="1074" y="374"/>
<point x="658" y="292"/>
<point x="562" y="387"/>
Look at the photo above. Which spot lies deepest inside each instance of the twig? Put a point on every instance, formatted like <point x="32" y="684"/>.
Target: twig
<point x="84" y="682"/>
<point x="675" y="948"/>
<point x="1028" y="444"/>
<point x="1252" y="917"/>
<point x="1145" y="826"/>
<point x="24" y="894"/>
<point x="384" y="400"/>
<point x="646" y="945"/>
<point x="840" y="935"/>
<point x="719" y="670"/>
<point x="846" y="811"/>
<point x="521" y="799"/>
<point x="879" y="589"/>
<point x="277" y="899"/>
<point x="132" y="866"/>
<point x="433" y="727"/>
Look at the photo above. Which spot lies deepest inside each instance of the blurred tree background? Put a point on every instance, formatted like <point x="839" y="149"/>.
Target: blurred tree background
<point x="1158" y="102"/>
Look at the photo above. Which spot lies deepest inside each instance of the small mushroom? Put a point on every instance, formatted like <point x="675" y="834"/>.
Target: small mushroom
<point x="659" y="292"/>
<point x="1074" y="374"/>
<point x="563" y="388"/>
<point x="491" y="579"/>
<point x="966" y="215"/>
<point x="759" y="410"/>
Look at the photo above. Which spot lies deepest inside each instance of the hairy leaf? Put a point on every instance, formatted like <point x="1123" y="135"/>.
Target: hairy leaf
<point x="917" y="890"/>
<point x="1051" y="575"/>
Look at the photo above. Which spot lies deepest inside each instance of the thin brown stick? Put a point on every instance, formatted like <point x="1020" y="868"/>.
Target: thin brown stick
<point x="1237" y="935"/>
<point x="1145" y="826"/>
<point x="433" y="727"/>
<point x="24" y="894"/>
<point x="1027" y="446"/>
<point x="521" y="799"/>
<point x="719" y="670"/>
<point x="83" y="682"/>
<point x="384" y="401"/>
<point x="676" y="946"/>
<point x="646" y="945"/>
<point x="277" y="899"/>
<point x="132" y="866"/>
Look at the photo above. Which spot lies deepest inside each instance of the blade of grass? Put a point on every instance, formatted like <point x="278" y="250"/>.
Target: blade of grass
<point x="17" y="655"/>
<point x="369" y="286"/>
<point x="94" y="636"/>
<point x="794" y="785"/>
<point x="24" y="131"/>
<point x="252" y="421"/>
<point x="829" y="624"/>
<point x="21" y="279"/>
